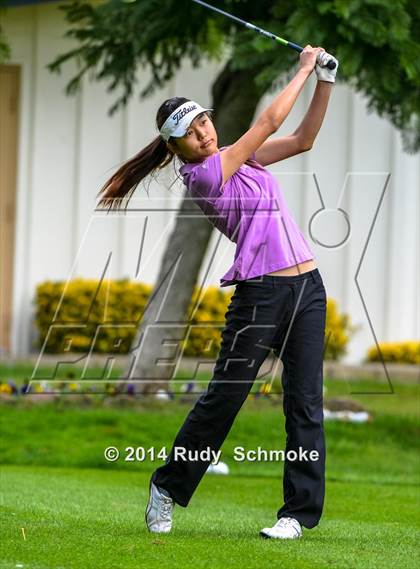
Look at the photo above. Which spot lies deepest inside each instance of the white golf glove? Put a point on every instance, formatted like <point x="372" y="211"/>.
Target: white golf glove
<point x="324" y="73"/>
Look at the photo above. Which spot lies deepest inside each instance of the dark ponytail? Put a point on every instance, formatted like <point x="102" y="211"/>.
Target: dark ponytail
<point x="153" y="157"/>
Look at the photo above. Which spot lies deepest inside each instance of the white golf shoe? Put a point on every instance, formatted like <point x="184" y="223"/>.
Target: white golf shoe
<point x="159" y="510"/>
<point x="285" y="528"/>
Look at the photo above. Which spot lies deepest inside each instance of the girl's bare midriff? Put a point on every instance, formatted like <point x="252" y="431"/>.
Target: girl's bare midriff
<point x="296" y="269"/>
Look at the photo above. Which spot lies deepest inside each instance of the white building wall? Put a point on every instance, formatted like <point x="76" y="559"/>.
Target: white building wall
<point x="68" y="147"/>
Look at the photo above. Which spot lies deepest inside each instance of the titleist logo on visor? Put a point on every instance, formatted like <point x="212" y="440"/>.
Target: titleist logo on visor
<point x="178" y="121"/>
<point x="182" y="112"/>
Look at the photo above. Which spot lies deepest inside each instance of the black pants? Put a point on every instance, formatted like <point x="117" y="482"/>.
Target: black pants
<point x="287" y="314"/>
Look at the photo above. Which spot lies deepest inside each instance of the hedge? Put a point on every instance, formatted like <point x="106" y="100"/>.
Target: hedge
<point x="398" y="352"/>
<point x="82" y="311"/>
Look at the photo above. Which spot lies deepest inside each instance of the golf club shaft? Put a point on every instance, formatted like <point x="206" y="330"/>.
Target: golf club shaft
<point x="330" y="64"/>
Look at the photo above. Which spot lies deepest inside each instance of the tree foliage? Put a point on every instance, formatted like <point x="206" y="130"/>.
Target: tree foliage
<point x="4" y="45"/>
<point x="374" y="40"/>
<point x="4" y="48"/>
<point x="116" y="38"/>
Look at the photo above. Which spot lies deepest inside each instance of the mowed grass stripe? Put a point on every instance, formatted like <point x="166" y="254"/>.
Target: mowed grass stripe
<point x="79" y="518"/>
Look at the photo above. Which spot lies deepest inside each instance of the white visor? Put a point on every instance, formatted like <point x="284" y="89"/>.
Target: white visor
<point x="178" y="122"/>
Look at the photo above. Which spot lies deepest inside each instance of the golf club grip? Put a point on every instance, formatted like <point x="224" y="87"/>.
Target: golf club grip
<point x="331" y="64"/>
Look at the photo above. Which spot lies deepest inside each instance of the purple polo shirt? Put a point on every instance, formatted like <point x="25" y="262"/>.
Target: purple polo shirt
<point x="251" y="211"/>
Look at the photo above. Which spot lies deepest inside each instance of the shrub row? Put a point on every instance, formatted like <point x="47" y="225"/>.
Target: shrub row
<point x="398" y="352"/>
<point x="72" y="317"/>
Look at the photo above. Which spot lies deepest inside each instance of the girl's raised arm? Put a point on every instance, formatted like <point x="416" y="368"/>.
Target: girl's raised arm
<point x="270" y="119"/>
<point x="303" y="137"/>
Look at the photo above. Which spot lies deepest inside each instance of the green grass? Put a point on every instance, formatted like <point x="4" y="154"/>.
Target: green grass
<point x="68" y="436"/>
<point x="78" y="511"/>
<point x="91" y="518"/>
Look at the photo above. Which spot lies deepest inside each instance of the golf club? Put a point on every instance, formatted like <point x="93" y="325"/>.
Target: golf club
<point x="330" y="64"/>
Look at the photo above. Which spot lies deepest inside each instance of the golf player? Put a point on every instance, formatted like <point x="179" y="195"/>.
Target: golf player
<point x="279" y="302"/>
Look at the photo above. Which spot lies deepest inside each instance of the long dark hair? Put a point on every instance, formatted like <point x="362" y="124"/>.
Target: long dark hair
<point x="149" y="160"/>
